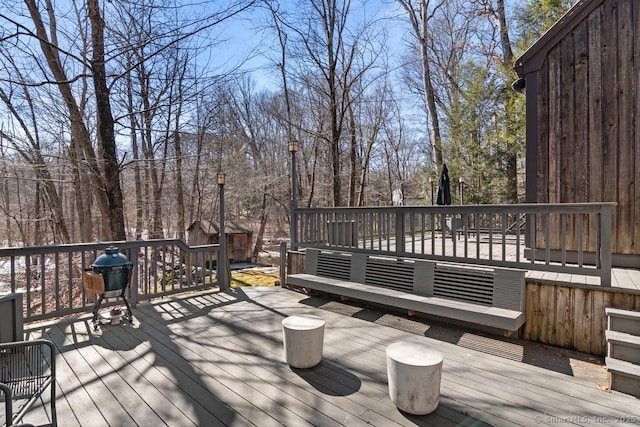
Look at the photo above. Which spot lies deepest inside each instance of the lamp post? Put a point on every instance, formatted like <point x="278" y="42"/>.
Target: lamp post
<point x="293" y="149"/>
<point x="431" y="180"/>
<point x="461" y="182"/>
<point x="224" y="277"/>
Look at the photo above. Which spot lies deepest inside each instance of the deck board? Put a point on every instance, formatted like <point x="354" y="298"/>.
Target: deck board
<point x="214" y="359"/>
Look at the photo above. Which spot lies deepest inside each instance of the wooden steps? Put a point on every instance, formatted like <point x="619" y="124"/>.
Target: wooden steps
<point x="623" y="350"/>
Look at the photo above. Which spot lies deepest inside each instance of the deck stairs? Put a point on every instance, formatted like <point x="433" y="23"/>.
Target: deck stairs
<point x="623" y="350"/>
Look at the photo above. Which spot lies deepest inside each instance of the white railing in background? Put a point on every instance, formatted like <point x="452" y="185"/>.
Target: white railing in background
<point x="571" y="238"/>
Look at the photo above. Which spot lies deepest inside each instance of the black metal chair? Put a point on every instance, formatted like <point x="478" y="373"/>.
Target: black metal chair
<point x="27" y="370"/>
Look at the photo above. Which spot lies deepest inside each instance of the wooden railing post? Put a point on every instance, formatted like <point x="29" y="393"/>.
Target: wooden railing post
<point x="400" y="246"/>
<point x="133" y="279"/>
<point x="605" y="246"/>
<point x="283" y="263"/>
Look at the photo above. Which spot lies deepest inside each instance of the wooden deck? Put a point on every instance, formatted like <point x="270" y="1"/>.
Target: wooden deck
<point x="622" y="279"/>
<point x="212" y="359"/>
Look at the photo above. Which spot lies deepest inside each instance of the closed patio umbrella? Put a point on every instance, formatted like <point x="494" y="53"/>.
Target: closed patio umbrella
<point x="444" y="187"/>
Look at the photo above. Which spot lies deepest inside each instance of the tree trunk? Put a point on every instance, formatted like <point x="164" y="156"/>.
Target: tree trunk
<point x="507" y="61"/>
<point x="429" y="90"/>
<point x="82" y="194"/>
<point x="179" y="185"/>
<point x="507" y="52"/>
<point x="264" y="216"/>
<point x="195" y="200"/>
<point x="331" y="21"/>
<point x="419" y="20"/>
<point x="6" y="202"/>
<point x="363" y="172"/>
<point x="156" y="231"/>
<point x="106" y="134"/>
<point x="36" y="160"/>
<point x="79" y="132"/>
<point x="353" y="156"/>
<point x="37" y="228"/>
<point x="135" y="149"/>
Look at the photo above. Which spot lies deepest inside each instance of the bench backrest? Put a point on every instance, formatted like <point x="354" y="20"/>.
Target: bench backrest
<point x="489" y="286"/>
<point x="334" y="265"/>
<point x="474" y="285"/>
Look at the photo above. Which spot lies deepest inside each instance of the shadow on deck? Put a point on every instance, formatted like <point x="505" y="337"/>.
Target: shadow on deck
<point x="215" y="358"/>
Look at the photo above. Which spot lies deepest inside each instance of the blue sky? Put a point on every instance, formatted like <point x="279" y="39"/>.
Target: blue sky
<point x="251" y="47"/>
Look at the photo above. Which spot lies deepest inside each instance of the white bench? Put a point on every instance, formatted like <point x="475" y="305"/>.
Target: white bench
<point x="487" y="296"/>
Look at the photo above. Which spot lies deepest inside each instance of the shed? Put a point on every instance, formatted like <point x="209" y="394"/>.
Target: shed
<point x="582" y="87"/>
<point x="238" y="239"/>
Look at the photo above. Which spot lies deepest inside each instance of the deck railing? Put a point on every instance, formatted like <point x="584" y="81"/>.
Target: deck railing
<point x="564" y="238"/>
<point x="50" y="277"/>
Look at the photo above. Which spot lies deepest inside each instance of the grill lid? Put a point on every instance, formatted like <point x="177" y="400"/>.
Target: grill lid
<point x="111" y="260"/>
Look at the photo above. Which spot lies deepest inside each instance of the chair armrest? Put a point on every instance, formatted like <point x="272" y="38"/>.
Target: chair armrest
<point x="8" y="408"/>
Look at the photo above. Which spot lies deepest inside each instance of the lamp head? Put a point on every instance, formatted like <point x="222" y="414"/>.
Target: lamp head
<point x="519" y="85"/>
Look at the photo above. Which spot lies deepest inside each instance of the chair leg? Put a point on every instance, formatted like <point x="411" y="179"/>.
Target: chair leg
<point x="54" y="417"/>
<point x="8" y="407"/>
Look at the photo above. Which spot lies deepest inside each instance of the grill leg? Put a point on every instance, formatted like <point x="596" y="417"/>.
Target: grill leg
<point x="129" y="314"/>
<point x="96" y="307"/>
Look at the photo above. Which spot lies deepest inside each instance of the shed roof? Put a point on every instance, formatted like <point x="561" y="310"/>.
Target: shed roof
<point x="532" y="59"/>
<point x="212" y="228"/>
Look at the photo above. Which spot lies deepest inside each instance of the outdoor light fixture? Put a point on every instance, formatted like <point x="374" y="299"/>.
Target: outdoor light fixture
<point x="293" y="146"/>
<point x="220" y="178"/>
<point x="519" y="85"/>
<point x="461" y="181"/>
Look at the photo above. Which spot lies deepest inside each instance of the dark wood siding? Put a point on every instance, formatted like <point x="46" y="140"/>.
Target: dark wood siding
<point x="594" y="118"/>
<point x="588" y="144"/>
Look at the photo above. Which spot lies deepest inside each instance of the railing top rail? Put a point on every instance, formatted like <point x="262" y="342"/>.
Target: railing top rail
<point x="504" y="208"/>
<point x="97" y="246"/>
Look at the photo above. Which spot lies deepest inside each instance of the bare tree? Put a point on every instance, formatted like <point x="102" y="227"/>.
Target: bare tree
<point x="419" y="13"/>
<point x="327" y="55"/>
<point x="79" y="131"/>
<point x="376" y="116"/>
<point x="26" y="142"/>
<point x="106" y="133"/>
<point x="79" y="42"/>
<point x="512" y="152"/>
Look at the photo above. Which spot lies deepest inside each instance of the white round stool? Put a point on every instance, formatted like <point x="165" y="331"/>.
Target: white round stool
<point x="414" y="372"/>
<point x="303" y="340"/>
